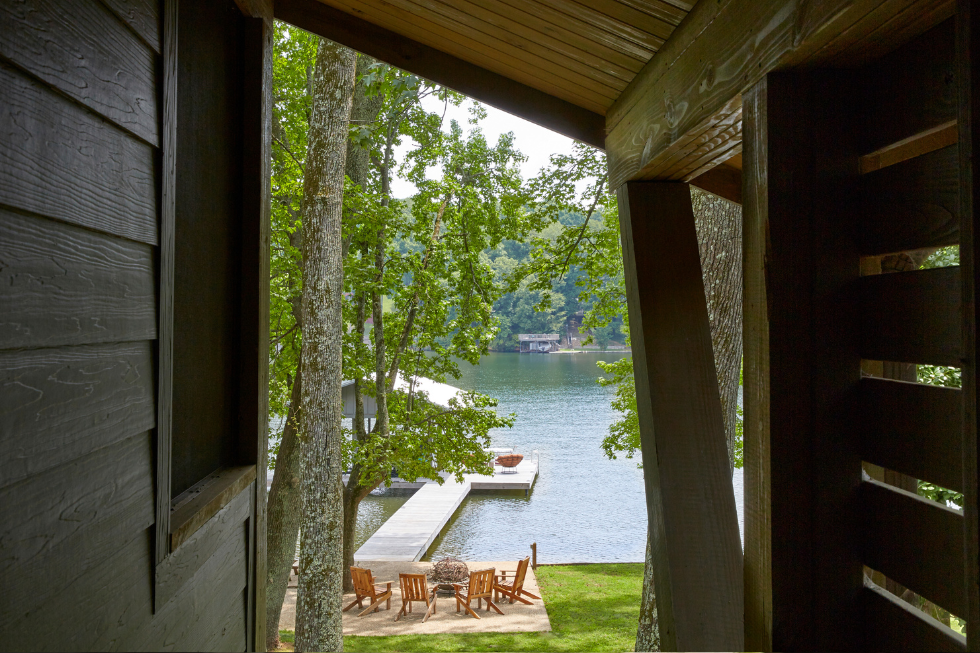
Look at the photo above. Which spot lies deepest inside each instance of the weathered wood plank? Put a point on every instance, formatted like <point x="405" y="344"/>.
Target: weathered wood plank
<point x="91" y="610"/>
<point x="58" y="524"/>
<point x="694" y="528"/>
<point x="757" y="508"/>
<point x="968" y="83"/>
<point x="185" y="561"/>
<point x="57" y="405"/>
<point x="188" y="517"/>
<point x="932" y="139"/>
<point x="142" y="16"/>
<point x="92" y="58"/>
<point x="66" y="285"/>
<point x="723" y="181"/>
<point x="913" y="429"/>
<point x="496" y="90"/>
<point x="894" y="625"/>
<point x="720" y="50"/>
<point x="914" y="541"/>
<point x="189" y="618"/>
<point x="930" y="330"/>
<point x="165" y="346"/>
<point x="59" y="160"/>
<point x="256" y="225"/>
<point x="909" y="205"/>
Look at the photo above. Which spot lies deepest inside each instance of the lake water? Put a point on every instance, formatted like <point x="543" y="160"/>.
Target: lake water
<point x="583" y="507"/>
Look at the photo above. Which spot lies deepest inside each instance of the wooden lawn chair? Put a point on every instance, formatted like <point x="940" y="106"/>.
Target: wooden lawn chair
<point x="415" y="588"/>
<point x="364" y="588"/>
<point x="513" y="587"/>
<point x="479" y="588"/>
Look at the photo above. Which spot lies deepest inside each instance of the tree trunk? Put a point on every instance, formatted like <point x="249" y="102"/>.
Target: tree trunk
<point x="285" y="500"/>
<point x="719" y="224"/>
<point x="320" y="593"/>
<point x="648" y="632"/>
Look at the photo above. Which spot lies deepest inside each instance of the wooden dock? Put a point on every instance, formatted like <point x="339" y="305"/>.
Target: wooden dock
<point x="407" y="534"/>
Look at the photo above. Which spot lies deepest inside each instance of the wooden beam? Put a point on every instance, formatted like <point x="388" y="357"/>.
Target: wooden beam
<point x="924" y="142"/>
<point x="691" y="507"/>
<point x="479" y="83"/>
<point x="723" y="180"/>
<point x="757" y="508"/>
<point x="690" y="90"/>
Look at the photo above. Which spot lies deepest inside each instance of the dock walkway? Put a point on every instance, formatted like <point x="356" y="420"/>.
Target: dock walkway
<point x="407" y="534"/>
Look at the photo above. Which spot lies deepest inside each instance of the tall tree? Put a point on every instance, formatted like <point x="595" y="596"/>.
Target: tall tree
<point x="320" y="592"/>
<point x="423" y="259"/>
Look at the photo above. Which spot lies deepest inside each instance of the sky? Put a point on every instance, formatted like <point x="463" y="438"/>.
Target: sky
<point x="537" y="143"/>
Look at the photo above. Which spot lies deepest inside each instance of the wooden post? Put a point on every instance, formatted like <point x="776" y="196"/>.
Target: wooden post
<point x="534" y="555"/>
<point x="691" y="507"/>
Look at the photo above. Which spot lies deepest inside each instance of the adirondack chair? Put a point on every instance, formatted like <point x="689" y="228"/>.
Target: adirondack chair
<point x="364" y="588"/>
<point x="480" y="588"/>
<point x="514" y="586"/>
<point x="415" y="588"/>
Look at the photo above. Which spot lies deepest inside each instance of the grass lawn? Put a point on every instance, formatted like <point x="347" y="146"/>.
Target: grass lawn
<point x="591" y="607"/>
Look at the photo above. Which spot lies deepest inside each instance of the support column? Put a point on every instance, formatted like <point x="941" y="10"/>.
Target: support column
<point x="691" y="507"/>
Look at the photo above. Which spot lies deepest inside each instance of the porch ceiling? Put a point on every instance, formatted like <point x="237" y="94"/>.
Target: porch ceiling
<point x="585" y="53"/>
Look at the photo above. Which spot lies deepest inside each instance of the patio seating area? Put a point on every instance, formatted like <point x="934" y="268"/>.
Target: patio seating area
<point x="516" y="617"/>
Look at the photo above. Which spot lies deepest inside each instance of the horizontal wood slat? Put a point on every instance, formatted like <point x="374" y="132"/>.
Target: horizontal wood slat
<point x="142" y="16"/>
<point x="909" y="205"/>
<point x="92" y="58"/>
<point x="66" y="285"/>
<point x="57" y="405"/>
<point x="894" y="625"/>
<point x="59" y="160"/>
<point x="930" y="140"/>
<point x="174" y="572"/>
<point x="57" y="525"/>
<point x="912" y="428"/>
<point x="909" y="90"/>
<point x="912" y="317"/>
<point x="915" y="542"/>
<point x="514" y="96"/>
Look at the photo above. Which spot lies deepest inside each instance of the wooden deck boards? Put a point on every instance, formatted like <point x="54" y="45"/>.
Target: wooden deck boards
<point x="407" y="534"/>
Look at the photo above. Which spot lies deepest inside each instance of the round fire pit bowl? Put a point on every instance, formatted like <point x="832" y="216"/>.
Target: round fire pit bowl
<point x="509" y="462"/>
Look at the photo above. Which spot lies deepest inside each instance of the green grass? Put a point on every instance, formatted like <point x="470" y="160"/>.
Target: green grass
<point x="591" y="607"/>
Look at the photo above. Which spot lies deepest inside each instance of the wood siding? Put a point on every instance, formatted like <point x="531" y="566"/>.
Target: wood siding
<point x="88" y="183"/>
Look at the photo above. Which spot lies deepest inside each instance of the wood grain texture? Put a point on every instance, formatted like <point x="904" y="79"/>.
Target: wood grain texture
<point x="67" y="285"/>
<point x="894" y="625"/>
<point x="932" y="139"/>
<point x="187" y="518"/>
<point x="910" y="205"/>
<point x="58" y="524"/>
<point x="165" y="346"/>
<point x="92" y="58"/>
<point x="694" y="529"/>
<point x="968" y="109"/>
<point x="57" y="405"/>
<point x="59" y="160"/>
<point x="928" y="559"/>
<point x="257" y="59"/>
<point x="192" y="617"/>
<point x="722" y="49"/>
<point x="755" y="327"/>
<point x="930" y="331"/>
<point x="142" y="16"/>
<point x="723" y="181"/>
<point x="913" y="429"/>
<point x="910" y="90"/>
<point x="184" y="562"/>
<point x="497" y="90"/>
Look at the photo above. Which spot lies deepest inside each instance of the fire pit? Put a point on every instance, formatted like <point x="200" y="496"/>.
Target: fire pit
<point x="446" y="572"/>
